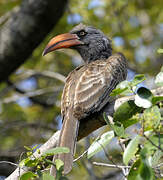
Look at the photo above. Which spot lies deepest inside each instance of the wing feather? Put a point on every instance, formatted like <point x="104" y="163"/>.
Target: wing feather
<point x="89" y="87"/>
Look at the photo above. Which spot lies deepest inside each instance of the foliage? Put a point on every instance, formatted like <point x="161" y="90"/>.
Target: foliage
<point x="143" y="152"/>
<point x="41" y="162"/>
<point x="135" y="28"/>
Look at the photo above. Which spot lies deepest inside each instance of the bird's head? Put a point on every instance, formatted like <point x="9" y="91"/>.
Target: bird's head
<point x="90" y="42"/>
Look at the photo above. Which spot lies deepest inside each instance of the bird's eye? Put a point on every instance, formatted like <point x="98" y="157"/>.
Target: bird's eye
<point x="82" y="33"/>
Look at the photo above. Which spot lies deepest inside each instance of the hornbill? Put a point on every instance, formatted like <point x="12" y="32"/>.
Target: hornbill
<point x="88" y="87"/>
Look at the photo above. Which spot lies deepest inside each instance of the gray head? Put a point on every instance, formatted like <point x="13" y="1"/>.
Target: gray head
<point x="90" y="42"/>
<point x="95" y="44"/>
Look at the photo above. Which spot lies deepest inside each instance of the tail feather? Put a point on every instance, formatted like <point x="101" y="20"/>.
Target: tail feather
<point x="68" y="138"/>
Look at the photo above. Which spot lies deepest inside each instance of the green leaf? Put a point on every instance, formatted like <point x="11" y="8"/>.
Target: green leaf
<point x="106" y="119"/>
<point x="131" y="149"/>
<point x="21" y="164"/>
<point x="159" y="78"/>
<point x="57" y="150"/>
<point x="117" y="127"/>
<point x="49" y="162"/>
<point x="126" y="87"/>
<point x="119" y="130"/>
<point x="143" y="97"/>
<point x="59" y="164"/>
<point x="156" y="157"/>
<point x="29" y="162"/>
<point x="141" y="170"/>
<point x="134" y="173"/>
<point x="28" y="175"/>
<point x="46" y="176"/>
<point x="157" y="99"/>
<point x="146" y="170"/>
<point x="28" y="148"/>
<point x="160" y="50"/>
<point x="137" y="79"/>
<point x="59" y="167"/>
<point x="122" y="88"/>
<point x="99" y="144"/>
<point x="156" y="140"/>
<point x="39" y="173"/>
<point x="151" y="118"/>
<point x="127" y="114"/>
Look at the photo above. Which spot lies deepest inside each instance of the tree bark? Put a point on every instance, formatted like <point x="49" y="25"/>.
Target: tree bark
<point x="25" y="30"/>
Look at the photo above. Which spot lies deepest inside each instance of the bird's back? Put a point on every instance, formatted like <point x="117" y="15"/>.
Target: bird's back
<point x="88" y="87"/>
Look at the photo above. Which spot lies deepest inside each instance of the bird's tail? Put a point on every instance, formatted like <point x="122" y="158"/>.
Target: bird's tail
<point x="68" y="138"/>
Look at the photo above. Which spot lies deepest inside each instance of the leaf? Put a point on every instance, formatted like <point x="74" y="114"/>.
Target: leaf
<point x="29" y="162"/>
<point x="160" y="50"/>
<point x="159" y="78"/>
<point x="59" y="164"/>
<point x="143" y="98"/>
<point x="119" y="130"/>
<point x="156" y="157"/>
<point x="28" y="175"/>
<point x="99" y="144"/>
<point x="146" y="170"/>
<point x="57" y="150"/>
<point x="59" y="167"/>
<point x="49" y="162"/>
<point x="127" y="114"/>
<point x="137" y="80"/>
<point x="156" y="140"/>
<point x="21" y="164"/>
<point x="28" y="148"/>
<point x="122" y="88"/>
<point x="125" y="87"/>
<point x="134" y="173"/>
<point x="106" y="119"/>
<point x="151" y="117"/>
<point x="46" y="176"/>
<point x="117" y="127"/>
<point x="131" y="149"/>
<point x="141" y="170"/>
<point x="157" y="99"/>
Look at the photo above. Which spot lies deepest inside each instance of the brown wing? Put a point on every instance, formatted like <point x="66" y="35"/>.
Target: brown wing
<point x="87" y="88"/>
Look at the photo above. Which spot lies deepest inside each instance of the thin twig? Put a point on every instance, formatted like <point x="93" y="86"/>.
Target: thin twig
<point x="28" y="73"/>
<point x="80" y="156"/>
<point x="153" y="143"/>
<point x="158" y="147"/>
<point x="8" y="162"/>
<point x="110" y="165"/>
<point x="31" y="94"/>
<point x="124" y="171"/>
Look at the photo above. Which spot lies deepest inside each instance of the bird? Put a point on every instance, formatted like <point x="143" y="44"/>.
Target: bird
<point x="87" y="88"/>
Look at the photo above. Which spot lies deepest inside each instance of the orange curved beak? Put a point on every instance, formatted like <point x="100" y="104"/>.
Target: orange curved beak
<point x="62" y="41"/>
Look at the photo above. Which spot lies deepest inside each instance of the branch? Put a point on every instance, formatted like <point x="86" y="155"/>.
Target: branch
<point x="52" y="142"/>
<point x="110" y="165"/>
<point x="54" y="75"/>
<point x="86" y="127"/>
<point x="32" y="94"/>
<point x="25" y="30"/>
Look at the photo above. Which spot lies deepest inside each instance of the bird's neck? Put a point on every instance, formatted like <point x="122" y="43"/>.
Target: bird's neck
<point x="90" y="56"/>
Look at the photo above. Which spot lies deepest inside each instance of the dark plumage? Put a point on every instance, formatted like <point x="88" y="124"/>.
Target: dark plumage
<point x="96" y="44"/>
<point x="88" y="87"/>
